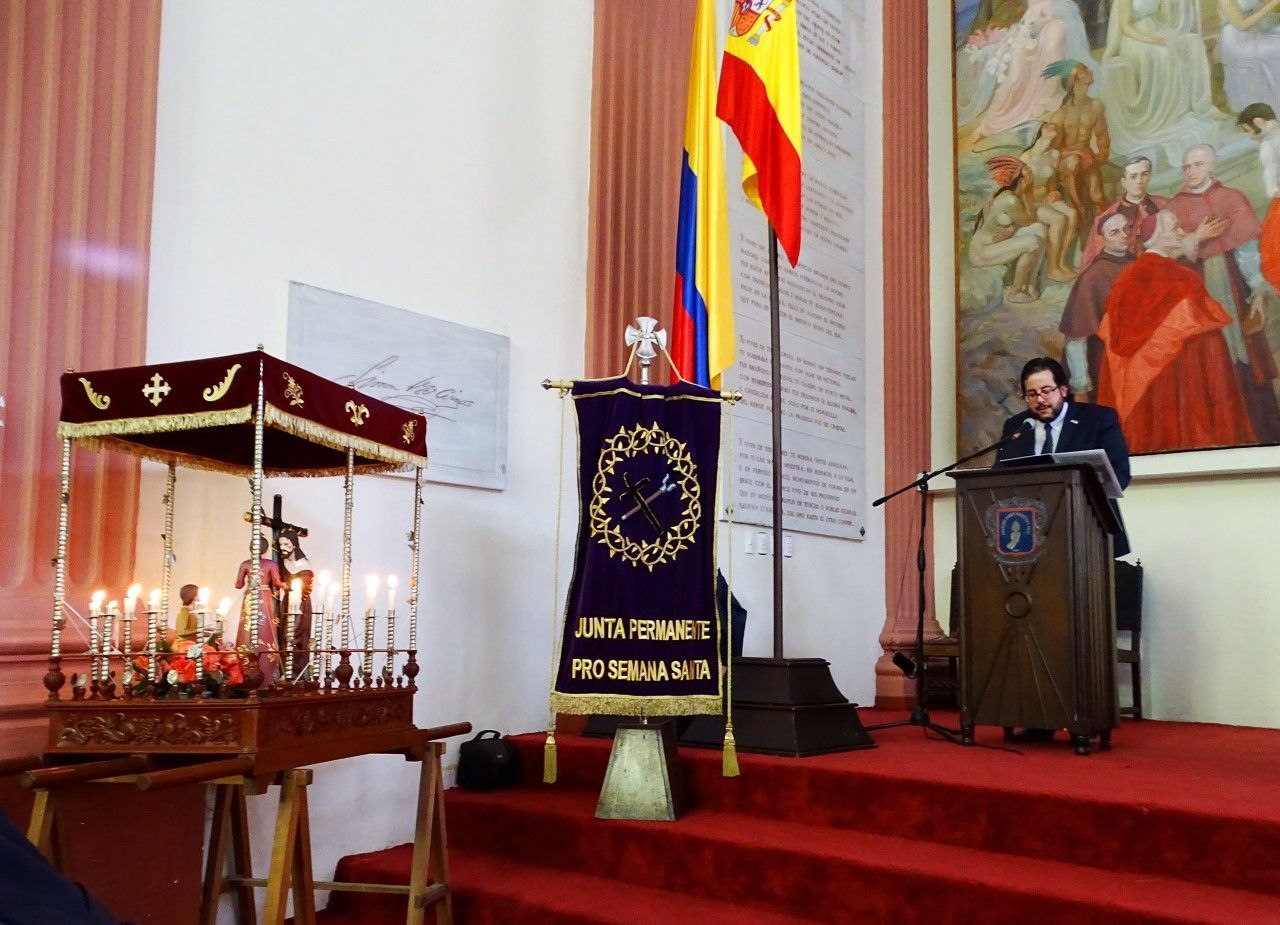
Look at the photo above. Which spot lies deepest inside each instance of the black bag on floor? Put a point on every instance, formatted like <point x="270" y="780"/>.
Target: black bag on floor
<point x="488" y="762"/>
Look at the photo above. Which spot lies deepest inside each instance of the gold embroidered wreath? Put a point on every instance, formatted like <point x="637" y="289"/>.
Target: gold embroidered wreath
<point x="629" y="443"/>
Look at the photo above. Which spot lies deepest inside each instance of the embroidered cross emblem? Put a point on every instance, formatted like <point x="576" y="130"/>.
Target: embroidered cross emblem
<point x="156" y="390"/>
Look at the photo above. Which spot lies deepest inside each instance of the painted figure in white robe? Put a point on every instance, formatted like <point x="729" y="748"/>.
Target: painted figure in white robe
<point x="1249" y="49"/>
<point x="1155" y="79"/>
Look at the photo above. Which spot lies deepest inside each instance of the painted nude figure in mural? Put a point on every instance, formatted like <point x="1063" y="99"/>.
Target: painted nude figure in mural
<point x="1006" y="232"/>
<point x="1056" y="214"/>
<point x="1166" y="368"/>
<point x="1230" y="267"/>
<point x="1083" y="141"/>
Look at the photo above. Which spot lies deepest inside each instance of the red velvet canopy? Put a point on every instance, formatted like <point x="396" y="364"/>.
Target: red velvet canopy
<point x="200" y="414"/>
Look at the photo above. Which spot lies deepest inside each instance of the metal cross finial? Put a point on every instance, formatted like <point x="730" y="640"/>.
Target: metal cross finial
<point x="645" y="331"/>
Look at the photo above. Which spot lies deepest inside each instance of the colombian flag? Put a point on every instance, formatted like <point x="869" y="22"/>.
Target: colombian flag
<point x="760" y="100"/>
<point x="702" y="339"/>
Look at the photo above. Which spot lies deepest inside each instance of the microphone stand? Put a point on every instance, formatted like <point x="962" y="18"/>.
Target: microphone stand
<point x="920" y="713"/>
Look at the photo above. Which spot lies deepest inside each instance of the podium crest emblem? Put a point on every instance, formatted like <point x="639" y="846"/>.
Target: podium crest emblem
<point x="1016" y="530"/>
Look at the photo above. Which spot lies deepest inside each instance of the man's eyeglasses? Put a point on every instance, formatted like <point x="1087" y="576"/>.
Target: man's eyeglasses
<point x="1042" y="392"/>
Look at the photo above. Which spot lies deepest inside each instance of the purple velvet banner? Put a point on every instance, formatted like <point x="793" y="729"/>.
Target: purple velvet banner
<point x="641" y="632"/>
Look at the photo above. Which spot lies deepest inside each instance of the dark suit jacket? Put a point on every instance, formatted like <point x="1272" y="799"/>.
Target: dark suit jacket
<point x="1087" y="427"/>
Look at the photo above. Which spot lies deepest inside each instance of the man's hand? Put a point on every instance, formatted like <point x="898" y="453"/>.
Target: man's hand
<point x="1210" y="228"/>
<point x="1257" y="319"/>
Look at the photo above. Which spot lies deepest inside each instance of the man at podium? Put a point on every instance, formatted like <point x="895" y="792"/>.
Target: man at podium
<point x="1051" y="424"/>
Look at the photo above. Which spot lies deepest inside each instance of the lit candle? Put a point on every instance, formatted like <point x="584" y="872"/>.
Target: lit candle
<point x="95" y="603"/>
<point x="392" y="581"/>
<point x="131" y="600"/>
<point x="154" y="599"/>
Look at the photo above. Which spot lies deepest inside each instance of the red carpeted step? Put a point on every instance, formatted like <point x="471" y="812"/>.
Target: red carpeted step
<point x="826" y="874"/>
<point x="1155" y="805"/>
<point x="491" y="890"/>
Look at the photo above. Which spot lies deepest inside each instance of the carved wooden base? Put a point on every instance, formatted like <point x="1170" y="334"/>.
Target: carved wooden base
<point x="301" y="728"/>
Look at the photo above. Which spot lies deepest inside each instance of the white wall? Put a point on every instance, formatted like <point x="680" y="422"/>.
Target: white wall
<point x="434" y="157"/>
<point x="1203" y="524"/>
<point x="431" y="156"/>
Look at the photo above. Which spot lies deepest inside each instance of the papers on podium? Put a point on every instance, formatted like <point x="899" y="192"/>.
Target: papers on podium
<point x="1097" y="459"/>
<point x="1101" y="465"/>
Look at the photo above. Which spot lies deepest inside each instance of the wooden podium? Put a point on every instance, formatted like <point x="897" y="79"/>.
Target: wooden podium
<point x="1037" y="601"/>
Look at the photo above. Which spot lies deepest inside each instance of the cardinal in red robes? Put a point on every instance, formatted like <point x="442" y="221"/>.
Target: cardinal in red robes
<point x="1167" y="369"/>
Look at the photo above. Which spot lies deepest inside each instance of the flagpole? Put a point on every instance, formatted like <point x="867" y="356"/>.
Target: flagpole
<point x="775" y="337"/>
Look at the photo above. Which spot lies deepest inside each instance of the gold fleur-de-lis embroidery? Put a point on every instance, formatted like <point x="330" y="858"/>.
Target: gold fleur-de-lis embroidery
<point x="410" y="427"/>
<point x="214" y="392"/>
<point x="359" y="413"/>
<point x="293" y="391"/>
<point x="101" y="402"/>
<point x="156" y="390"/>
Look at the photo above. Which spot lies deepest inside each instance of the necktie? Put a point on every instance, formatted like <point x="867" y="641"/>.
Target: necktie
<point x="1048" y="439"/>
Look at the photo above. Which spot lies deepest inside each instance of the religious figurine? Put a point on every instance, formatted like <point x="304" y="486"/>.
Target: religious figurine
<point x="269" y="581"/>
<point x="296" y="566"/>
<point x="187" y="625"/>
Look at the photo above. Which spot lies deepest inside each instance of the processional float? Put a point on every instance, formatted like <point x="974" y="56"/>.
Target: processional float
<point x="247" y="415"/>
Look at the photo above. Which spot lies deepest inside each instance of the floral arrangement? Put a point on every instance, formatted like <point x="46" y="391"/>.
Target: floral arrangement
<point x="176" y="669"/>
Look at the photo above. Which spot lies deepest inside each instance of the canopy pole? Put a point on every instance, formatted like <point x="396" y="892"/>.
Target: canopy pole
<point x="253" y="677"/>
<point x="343" y="672"/>
<point x="166" y="573"/>
<point x="54" y="680"/>
<point x="415" y="547"/>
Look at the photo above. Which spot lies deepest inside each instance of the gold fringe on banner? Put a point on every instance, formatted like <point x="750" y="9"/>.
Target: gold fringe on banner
<point x="624" y="705"/>
<point x="549" y="770"/>
<point x="729" y="754"/>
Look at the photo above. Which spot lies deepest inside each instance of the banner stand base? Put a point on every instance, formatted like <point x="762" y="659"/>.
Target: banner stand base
<point x="787" y="706"/>
<point x="643" y="780"/>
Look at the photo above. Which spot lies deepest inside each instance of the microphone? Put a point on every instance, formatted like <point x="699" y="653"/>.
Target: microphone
<point x="1028" y="427"/>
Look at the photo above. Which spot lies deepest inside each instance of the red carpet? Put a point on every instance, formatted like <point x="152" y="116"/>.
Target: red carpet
<point x="1177" y="823"/>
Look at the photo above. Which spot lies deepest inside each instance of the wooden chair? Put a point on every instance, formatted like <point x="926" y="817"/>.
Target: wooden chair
<point x="942" y="688"/>
<point x="1129" y="620"/>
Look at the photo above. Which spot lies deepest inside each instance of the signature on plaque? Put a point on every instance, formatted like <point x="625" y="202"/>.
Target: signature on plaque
<point x="426" y="396"/>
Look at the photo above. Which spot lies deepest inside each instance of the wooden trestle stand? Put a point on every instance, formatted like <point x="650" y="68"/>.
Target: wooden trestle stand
<point x="228" y="863"/>
<point x="1037" y="602"/>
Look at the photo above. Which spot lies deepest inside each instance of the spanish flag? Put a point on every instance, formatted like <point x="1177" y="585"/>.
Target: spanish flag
<point x="702" y="340"/>
<point x="760" y="100"/>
